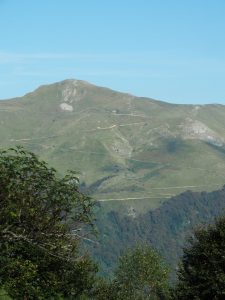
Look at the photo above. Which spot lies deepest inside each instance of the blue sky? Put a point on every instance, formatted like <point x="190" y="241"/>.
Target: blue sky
<point x="173" y="50"/>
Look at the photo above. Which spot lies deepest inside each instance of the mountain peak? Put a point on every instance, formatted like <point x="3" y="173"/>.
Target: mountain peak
<point x="125" y="147"/>
<point x="74" y="82"/>
<point x="66" y="82"/>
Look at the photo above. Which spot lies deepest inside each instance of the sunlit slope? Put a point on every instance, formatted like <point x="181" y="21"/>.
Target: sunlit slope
<point x="137" y="150"/>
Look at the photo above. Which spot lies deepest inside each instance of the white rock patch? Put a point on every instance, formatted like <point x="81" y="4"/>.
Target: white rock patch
<point x="69" y="94"/>
<point x="193" y="129"/>
<point x="66" y="107"/>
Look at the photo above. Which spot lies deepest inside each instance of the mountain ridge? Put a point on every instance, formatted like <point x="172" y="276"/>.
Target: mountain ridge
<point x="87" y="83"/>
<point x="125" y="147"/>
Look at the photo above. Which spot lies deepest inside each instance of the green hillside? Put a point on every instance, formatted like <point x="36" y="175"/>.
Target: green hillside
<point x="131" y="153"/>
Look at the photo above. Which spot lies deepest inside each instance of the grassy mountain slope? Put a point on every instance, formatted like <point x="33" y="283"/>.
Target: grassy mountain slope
<point x="137" y="150"/>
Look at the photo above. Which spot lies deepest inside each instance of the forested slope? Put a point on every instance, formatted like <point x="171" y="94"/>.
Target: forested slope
<point x="166" y="228"/>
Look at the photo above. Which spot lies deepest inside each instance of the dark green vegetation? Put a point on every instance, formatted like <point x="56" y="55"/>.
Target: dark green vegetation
<point x="41" y="222"/>
<point x="140" y="275"/>
<point x="202" y="270"/>
<point x="201" y="273"/>
<point x="166" y="228"/>
<point x="123" y="146"/>
<point x="45" y="218"/>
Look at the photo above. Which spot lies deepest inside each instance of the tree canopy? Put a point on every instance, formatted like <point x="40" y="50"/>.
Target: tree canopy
<point x="202" y="271"/>
<point x="42" y="220"/>
<point x="140" y="275"/>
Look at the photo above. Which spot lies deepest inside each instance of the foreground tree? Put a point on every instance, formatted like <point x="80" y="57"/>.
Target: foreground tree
<point x="42" y="219"/>
<point x="140" y="275"/>
<point x="202" y="270"/>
